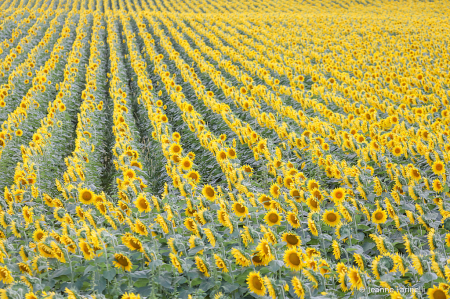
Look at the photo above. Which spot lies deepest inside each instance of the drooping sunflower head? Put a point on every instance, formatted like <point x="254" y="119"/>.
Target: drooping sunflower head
<point x="122" y="262"/>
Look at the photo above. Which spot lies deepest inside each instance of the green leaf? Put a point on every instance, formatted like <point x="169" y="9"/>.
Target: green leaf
<point x="61" y="272"/>
<point x="165" y="282"/>
<point x="427" y="277"/>
<point x="109" y="275"/>
<point x="275" y="265"/>
<point x="228" y="287"/>
<point x="140" y="274"/>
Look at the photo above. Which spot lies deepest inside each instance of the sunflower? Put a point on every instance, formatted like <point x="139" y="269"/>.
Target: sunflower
<point x="39" y="235"/>
<point x="122" y="262"/>
<point x="275" y="190"/>
<point x="142" y="203"/>
<point x="58" y="253"/>
<point x="140" y="228"/>
<point x="313" y="204"/>
<point x="438" y="167"/>
<point x="437" y="185"/>
<point x="27" y="213"/>
<point x="355" y="278"/>
<point x="336" y="250"/>
<point x="210" y="236"/>
<point x="175" y="148"/>
<point x="220" y="263"/>
<point x="129" y="174"/>
<point x="222" y="156"/>
<point x="45" y="250"/>
<point x="269" y="285"/>
<point x="379" y="216"/>
<point x="312" y="227"/>
<point x="256" y="284"/>
<point x="87" y="250"/>
<point x="186" y="163"/>
<point x="240" y="209"/>
<point x="176" y="262"/>
<point x="437" y="292"/>
<point x="273" y="218"/>
<point x="240" y="258"/>
<point x="313" y="184"/>
<point x="24" y="268"/>
<point x="5" y="275"/>
<point x="331" y="218"/>
<point x="193" y="175"/>
<point x="257" y="261"/>
<point x="298" y="287"/>
<point x="293" y="259"/>
<point x="397" y="151"/>
<point x="417" y="263"/>
<point x="231" y="152"/>
<point x="265" y="200"/>
<point x="133" y="243"/>
<point x="264" y="252"/>
<point x="415" y="174"/>
<point x="292" y="218"/>
<point x="209" y="192"/>
<point x="86" y="196"/>
<point x="291" y="239"/>
<point x="201" y="266"/>
<point x="338" y="195"/>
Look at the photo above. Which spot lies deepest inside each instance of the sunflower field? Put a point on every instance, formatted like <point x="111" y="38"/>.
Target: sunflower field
<point x="224" y="149"/>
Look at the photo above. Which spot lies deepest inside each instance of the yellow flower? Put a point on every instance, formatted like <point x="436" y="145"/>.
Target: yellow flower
<point x="272" y="218"/>
<point x="256" y="284"/>
<point x="86" y="196"/>
<point x="220" y="263"/>
<point x="209" y="192"/>
<point x="379" y="216"/>
<point x="264" y="252"/>
<point x="293" y="259"/>
<point x="240" y="209"/>
<point x="331" y="218"/>
<point x="437" y="293"/>
<point x="298" y="287"/>
<point x="292" y="218"/>
<point x="142" y="203"/>
<point x="122" y="262"/>
<point x="176" y="262"/>
<point x="87" y="250"/>
<point x="438" y="167"/>
<point x="201" y="266"/>
<point x="355" y="278"/>
<point x="338" y="195"/>
<point x="291" y="239"/>
<point x="437" y="185"/>
<point x="186" y="163"/>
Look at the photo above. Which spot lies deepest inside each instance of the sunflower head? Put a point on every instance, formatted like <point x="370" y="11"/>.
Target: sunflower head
<point x="273" y="218"/>
<point x="209" y="192"/>
<point x="86" y="196"/>
<point x="256" y="284"/>
<point x="331" y="218"/>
